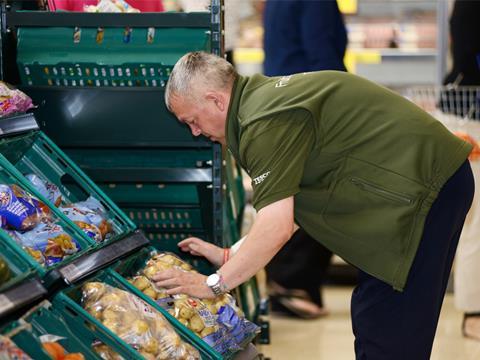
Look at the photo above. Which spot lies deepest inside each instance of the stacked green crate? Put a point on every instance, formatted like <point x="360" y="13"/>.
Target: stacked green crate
<point x="35" y="153"/>
<point x="11" y="179"/>
<point x="133" y="265"/>
<point x="102" y="78"/>
<point x="71" y="299"/>
<point x="60" y="323"/>
<point x="31" y="152"/>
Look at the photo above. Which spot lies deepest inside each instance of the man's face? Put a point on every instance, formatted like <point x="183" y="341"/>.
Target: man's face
<point x="205" y="118"/>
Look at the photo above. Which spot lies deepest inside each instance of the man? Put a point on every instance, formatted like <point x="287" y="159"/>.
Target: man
<point x="361" y="169"/>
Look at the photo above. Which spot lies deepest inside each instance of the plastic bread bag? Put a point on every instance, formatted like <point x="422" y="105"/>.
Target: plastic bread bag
<point x="13" y="101"/>
<point x="37" y="255"/>
<point x="218" y="321"/>
<point x="97" y="215"/>
<point x="46" y="188"/>
<point x="80" y="218"/>
<point x="47" y="243"/>
<point x="9" y="350"/>
<point x="90" y="215"/>
<point x="19" y="210"/>
<point x="135" y="322"/>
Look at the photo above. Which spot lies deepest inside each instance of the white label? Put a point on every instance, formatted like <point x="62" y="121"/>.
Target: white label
<point x="143" y="307"/>
<point x="69" y="272"/>
<point x="5" y="303"/>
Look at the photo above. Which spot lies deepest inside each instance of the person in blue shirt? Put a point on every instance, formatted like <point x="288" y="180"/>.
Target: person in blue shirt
<point x="301" y="36"/>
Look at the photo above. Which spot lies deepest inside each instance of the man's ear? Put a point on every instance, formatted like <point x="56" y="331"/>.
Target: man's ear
<point x="218" y="99"/>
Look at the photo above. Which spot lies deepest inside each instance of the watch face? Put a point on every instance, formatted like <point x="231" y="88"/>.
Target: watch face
<point x="213" y="279"/>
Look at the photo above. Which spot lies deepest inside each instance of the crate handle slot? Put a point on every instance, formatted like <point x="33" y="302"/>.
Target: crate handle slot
<point x="71" y="311"/>
<point x="48" y="148"/>
<point x="120" y="220"/>
<point x="63" y="163"/>
<point x="104" y="205"/>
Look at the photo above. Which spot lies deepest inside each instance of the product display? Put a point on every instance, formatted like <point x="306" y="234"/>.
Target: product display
<point x="135" y="322"/>
<point x="13" y="101"/>
<point x="219" y="322"/>
<point x="116" y="208"/>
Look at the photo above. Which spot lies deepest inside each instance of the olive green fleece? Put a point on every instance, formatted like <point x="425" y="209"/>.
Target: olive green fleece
<point x="363" y="163"/>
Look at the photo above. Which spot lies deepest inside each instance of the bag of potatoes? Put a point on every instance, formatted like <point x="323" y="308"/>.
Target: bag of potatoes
<point x="219" y="322"/>
<point x="135" y="322"/>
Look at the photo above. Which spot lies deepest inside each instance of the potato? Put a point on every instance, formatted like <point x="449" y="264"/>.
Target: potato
<point x="112" y="325"/>
<point x="161" y="325"/>
<point x="162" y="295"/>
<point x="172" y="339"/>
<point x="164" y="355"/>
<point x="161" y="266"/>
<point x="213" y="309"/>
<point x="141" y="283"/>
<point x="169" y="259"/>
<point x="93" y="290"/>
<point x="151" y="346"/>
<point x="109" y="314"/>
<point x="196" y="323"/>
<point x="96" y="312"/>
<point x="129" y="317"/>
<point x="140" y="327"/>
<point x="186" y="312"/>
<point x="150" y="293"/>
<point x="186" y="267"/>
<point x="111" y="299"/>
<point x="150" y="271"/>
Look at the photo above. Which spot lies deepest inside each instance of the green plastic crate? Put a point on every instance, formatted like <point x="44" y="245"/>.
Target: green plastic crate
<point x="105" y="56"/>
<point x="22" y="336"/>
<point x="19" y="267"/>
<point x="61" y="320"/>
<point x="72" y="296"/>
<point x="36" y="153"/>
<point x="10" y="175"/>
<point x="149" y="187"/>
<point x="129" y="267"/>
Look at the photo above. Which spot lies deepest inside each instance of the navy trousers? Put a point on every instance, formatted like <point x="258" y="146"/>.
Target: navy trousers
<point x="393" y="325"/>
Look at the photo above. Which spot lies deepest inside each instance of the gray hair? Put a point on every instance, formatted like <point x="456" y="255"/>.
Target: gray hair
<point x="198" y="68"/>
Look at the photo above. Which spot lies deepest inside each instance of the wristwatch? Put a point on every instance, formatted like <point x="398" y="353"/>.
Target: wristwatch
<point x="216" y="283"/>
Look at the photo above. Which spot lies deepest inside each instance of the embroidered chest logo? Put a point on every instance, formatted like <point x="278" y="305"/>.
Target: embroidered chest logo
<point x="283" y="81"/>
<point x="260" y="178"/>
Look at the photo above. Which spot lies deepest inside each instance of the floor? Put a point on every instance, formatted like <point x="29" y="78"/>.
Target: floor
<point x="331" y="337"/>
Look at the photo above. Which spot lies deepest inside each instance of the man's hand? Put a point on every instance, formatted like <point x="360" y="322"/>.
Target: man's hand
<point x="178" y="281"/>
<point x="198" y="247"/>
